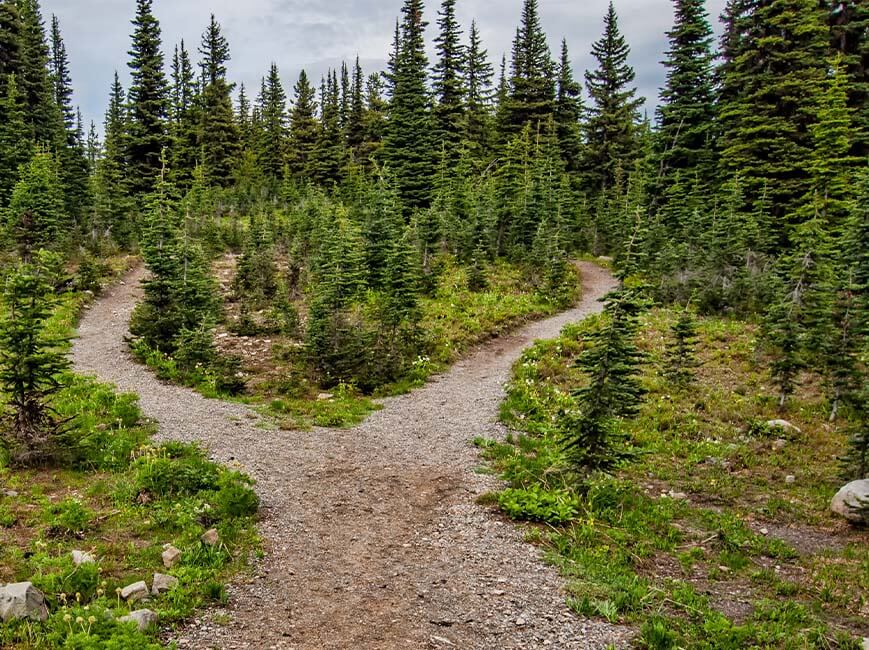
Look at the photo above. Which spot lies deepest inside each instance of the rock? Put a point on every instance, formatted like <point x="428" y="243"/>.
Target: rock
<point x="779" y="444"/>
<point x="21" y="600"/>
<point x="851" y="499"/>
<point x="136" y="591"/>
<point x="82" y="557"/>
<point x="677" y="496"/>
<point x="790" y="479"/>
<point x="764" y="531"/>
<point x="210" y="537"/>
<point x="9" y="493"/>
<point x="782" y="424"/>
<point x="325" y="396"/>
<point x="143" y="618"/>
<point x="162" y="583"/>
<point x="866" y="643"/>
<point x="171" y="556"/>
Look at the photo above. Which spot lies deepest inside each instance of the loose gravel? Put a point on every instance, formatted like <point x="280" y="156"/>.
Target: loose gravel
<point x="373" y="537"/>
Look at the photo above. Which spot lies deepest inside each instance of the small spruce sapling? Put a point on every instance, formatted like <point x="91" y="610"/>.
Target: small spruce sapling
<point x="681" y="350"/>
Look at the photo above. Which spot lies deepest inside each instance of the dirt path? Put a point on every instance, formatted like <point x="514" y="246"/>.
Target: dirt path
<point x="373" y="537"/>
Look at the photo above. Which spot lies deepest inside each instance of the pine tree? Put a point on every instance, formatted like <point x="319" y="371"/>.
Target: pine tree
<point x="355" y="129"/>
<point x="304" y="127"/>
<point x="273" y="117"/>
<point x="148" y="101"/>
<point x="374" y="121"/>
<point x="219" y="137"/>
<point x="34" y="79"/>
<point x="16" y="147"/>
<point x="329" y="154"/>
<point x="478" y="118"/>
<point x="568" y="113"/>
<point x="449" y="81"/>
<point x="687" y="111"/>
<point x="770" y="88"/>
<point x="531" y="99"/>
<point x="611" y="127"/>
<point x="344" y="100"/>
<point x="849" y="31"/>
<point x="30" y="367"/>
<point x="407" y="147"/>
<point x="184" y="120"/>
<point x="35" y="216"/>
<point x="60" y="75"/>
<point x="592" y="433"/>
<point x="10" y="41"/>
<point x="681" y="354"/>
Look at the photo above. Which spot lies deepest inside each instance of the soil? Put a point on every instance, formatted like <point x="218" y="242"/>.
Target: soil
<point x="372" y="535"/>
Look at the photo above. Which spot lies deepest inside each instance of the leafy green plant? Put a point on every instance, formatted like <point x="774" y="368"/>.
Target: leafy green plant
<point x="539" y="504"/>
<point x="69" y="518"/>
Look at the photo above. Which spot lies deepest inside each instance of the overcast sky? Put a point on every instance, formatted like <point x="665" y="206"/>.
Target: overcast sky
<point x="318" y="34"/>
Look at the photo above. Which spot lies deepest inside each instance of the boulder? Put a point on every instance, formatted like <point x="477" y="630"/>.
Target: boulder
<point x="143" y="618"/>
<point x="210" y="537"/>
<point x="82" y="557"/>
<point x="171" y="556"/>
<point x="162" y="583"/>
<point x="852" y="502"/>
<point x="782" y="424"/>
<point x="21" y="600"/>
<point x="136" y="591"/>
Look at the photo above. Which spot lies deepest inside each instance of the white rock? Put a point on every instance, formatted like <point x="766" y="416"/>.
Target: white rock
<point x="136" y="591"/>
<point x="678" y="496"/>
<point x="143" y="618"/>
<point x="850" y="499"/>
<point x="82" y="557"/>
<point x="790" y="479"/>
<point x="325" y="396"/>
<point x="210" y="537"/>
<point x="162" y="583"/>
<point x="782" y="424"/>
<point x="9" y="493"/>
<point x="171" y="556"/>
<point x="866" y="643"/>
<point x="779" y="444"/>
<point x="22" y="600"/>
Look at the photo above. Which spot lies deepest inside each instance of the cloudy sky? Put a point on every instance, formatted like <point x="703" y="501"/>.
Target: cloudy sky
<point x="318" y="34"/>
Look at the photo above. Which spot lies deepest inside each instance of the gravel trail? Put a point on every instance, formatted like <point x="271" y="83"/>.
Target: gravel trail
<point x="372" y="535"/>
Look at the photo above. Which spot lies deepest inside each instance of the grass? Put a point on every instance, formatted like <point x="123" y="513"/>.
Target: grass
<point x="119" y="497"/>
<point x="699" y="542"/>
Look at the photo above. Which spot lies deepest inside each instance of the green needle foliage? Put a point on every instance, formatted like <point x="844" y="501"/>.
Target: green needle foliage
<point x="681" y="350"/>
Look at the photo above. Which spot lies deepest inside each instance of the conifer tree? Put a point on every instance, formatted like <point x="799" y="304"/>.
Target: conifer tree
<point x="60" y="75"/>
<point x="479" y="73"/>
<point x="686" y="112"/>
<point x="34" y="80"/>
<point x="849" y="31"/>
<point x="219" y="137"/>
<point x="681" y="355"/>
<point x="355" y="129"/>
<point x="273" y="118"/>
<point x="568" y="113"/>
<point x="328" y="154"/>
<point x="611" y="127"/>
<point x="344" y="101"/>
<point x="531" y="99"/>
<point x="148" y="101"/>
<point x="16" y="147"/>
<point x="407" y="147"/>
<point x="304" y="127"/>
<point x="10" y="41"/>
<point x="35" y="216"/>
<point x="374" y="121"/>
<point x="770" y="87"/>
<point x="449" y="81"/>
<point x="30" y="365"/>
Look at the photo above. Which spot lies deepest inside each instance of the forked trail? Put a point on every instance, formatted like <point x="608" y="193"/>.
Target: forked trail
<point x="372" y="535"/>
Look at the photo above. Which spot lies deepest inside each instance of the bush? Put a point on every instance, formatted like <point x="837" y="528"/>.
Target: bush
<point x="234" y="497"/>
<point x="188" y="474"/>
<point x="68" y="518"/>
<point x="538" y="504"/>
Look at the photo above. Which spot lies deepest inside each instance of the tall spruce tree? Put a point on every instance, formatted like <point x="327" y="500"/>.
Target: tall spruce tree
<point x="273" y="119"/>
<point x="531" y="99"/>
<point x="219" y="137"/>
<point x="568" y="113"/>
<point x="611" y="142"/>
<point x="849" y="30"/>
<point x="408" y="147"/>
<point x="10" y="41"/>
<point x="449" y="80"/>
<point x="184" y="120"/>
<point x="36" y="217"/>
<point x="16" y="146"/>
<point x="304" y="127"/>
<point x="687" y="108"/>
<point x="148" y="99"/>
<point x="355" y="127"/>
<point x="34" y="78"/>
<point x="328" y="154"/>
<point x="60" y="75"/>
<point x="478" y="81"/>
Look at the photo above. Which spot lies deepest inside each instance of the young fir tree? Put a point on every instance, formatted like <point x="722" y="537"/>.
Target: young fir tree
<point x="531" y="99"/>
<point x="407" y="147"/>
<point x="770" y="86"/>
<point x="304" y="127"/>
<point x="568" y="113"/>
<point x="219" y="137"/>
<point x="35" y="216"/>
<point x="478" y="110"/>
<point x="611" y="142"/>
<point x="681" y="356"/>
<point x="273" y="118"/>
<point x="592" y="433"/>
<point x="16" y="147"/>
<point x="449" y="81"/>
<point x="686" y="112"/>
<point x="31" y="364"/>
<point x="148" y="99"/>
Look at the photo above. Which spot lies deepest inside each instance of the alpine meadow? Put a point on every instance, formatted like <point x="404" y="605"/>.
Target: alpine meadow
<point x="463" y="350"/>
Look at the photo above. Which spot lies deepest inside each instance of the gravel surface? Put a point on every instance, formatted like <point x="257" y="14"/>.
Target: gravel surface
<point x="372" y="535"/>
